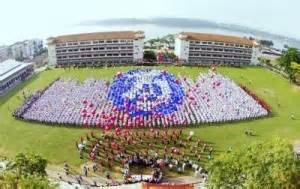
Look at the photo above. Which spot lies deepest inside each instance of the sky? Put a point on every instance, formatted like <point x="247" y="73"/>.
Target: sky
<point x="24" y="19"/>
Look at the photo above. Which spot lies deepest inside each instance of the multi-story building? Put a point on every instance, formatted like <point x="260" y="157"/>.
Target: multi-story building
<point x="4" y="53"/>
<point x="26" y="49"/>
<point x="96" y="48"/>
<point x="206" y="49"/>
<point x="12" y="73"/>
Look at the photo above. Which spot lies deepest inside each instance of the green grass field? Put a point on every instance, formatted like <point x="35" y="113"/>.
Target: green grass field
<point x="57" y="144"/>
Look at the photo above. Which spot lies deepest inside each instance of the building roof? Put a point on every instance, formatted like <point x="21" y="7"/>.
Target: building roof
<point x="97" y="36"/>
<point x="215" y="37"/>
<point x="10" y="67"/>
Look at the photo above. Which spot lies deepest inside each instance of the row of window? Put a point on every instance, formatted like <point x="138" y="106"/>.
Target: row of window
<point x="218" y="56"/>
<point x="12" y="81"/>
<point x="114" y="41"/>
<point x="58" y="51"/>
<point x="95" y="55"/>
<point x="103" y="61"/>
<point x="220" y="44"/>
<point x="218" y="50"/>
<point x="229" y="62"/>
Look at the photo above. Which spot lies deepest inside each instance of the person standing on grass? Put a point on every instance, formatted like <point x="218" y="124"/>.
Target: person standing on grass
<point x="85" y="171"/>
<point x="94" y="167"/>
<point x="66" y="168"/>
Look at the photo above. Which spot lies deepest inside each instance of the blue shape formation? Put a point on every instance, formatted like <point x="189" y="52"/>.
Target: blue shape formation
<point x="146" y="92"/>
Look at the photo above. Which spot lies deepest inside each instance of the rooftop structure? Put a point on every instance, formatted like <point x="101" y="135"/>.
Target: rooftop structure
<point x="215" y="37"/>
<point x="99" y="35"/>
<point x="12" y="73"/>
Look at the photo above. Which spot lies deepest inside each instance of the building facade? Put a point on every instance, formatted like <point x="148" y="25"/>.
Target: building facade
<point x="26" y="49"/>
<point x="96" y="48"/>
<point x="13" y="73"/>
<point x="4" y="53"/>
<point x="207" y="49"/>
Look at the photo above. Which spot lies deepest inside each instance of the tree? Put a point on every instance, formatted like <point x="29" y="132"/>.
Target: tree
<point x="286" y="46"/>
<point x="150" y="56"/>
<point x="289" y="56"/>
<point x="258" y="165"/>
<point x="294" y="74"/>
<point x="27" y="171"/>
<point x="171" y="56"/>
<point x="168" y="39"/>
<point x="151" y="42"/>
<point x="30" y="164"/>
<point x="11" y="180"/>
<point x="264" y="60"/>
<point x="266" y="43"/>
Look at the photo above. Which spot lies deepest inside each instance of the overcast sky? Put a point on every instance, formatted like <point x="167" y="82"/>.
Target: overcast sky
<point x="22" y="19"/>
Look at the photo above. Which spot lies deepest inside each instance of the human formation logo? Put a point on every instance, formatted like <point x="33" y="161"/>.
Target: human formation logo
<point x="146" y="92"/>
<point x="143" y="98"/>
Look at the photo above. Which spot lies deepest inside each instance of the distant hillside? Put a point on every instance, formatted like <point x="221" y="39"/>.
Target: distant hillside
<point x="181" y="24"/>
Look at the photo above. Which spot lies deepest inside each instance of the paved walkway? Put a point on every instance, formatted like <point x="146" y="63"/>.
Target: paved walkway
<point x="72" y="180"/>
<point x="57" y="175"/>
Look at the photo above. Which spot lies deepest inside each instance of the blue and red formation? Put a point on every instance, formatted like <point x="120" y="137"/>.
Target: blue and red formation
<point x="125" y="82"/>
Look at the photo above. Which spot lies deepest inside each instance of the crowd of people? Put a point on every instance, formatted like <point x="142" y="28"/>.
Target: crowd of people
<point x="143" y="99"/>
<point x="158" y="149"/>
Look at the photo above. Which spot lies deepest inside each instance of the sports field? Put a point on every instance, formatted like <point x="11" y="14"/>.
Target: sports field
<point x="57" y="144"/>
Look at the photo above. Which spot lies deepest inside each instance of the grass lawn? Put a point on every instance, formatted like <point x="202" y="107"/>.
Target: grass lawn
<point x="57" y="144"/>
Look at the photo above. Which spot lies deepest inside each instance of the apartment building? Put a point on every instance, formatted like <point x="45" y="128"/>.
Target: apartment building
<point x="4" y="52"/>
<point x="90" y="49"/>
<point x="27" y="49"/>
<point x="207" y="49"/>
